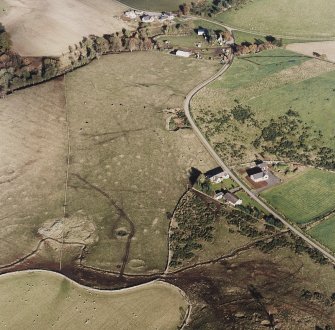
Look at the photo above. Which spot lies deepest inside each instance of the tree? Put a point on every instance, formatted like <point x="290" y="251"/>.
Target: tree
<point x="116" y="43"/>
<point x="5" y="42"/>
<point x="185" y="8"/>
<point x="132" y="44"/>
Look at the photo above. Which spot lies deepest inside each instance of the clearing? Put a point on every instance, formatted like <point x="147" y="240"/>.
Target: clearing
<point x="47" y="299"/>
<point x="325" y="233"/>
<point x="48" y="28"/>
<point x="298" y="18"/>
<point x="305" y="197"/>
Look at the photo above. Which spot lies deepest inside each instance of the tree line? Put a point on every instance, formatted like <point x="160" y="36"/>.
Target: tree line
<point x="17" y="71"/>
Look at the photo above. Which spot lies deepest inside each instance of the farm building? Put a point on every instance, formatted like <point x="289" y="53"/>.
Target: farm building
<point x="130" y="14"/>
<point x="201" y="31"/>
<point x="183" y="53"/>
<point x="147" y="19"/>
<point x="232" y="199"/>
<point x="166" y="16"/>
<point x="259" y="173"/>
<point x="260" y="176"/>
<point x="217" y="175"/>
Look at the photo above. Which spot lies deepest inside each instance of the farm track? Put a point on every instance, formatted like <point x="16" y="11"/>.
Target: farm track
<point x="68" y="155"/>
<point x="122" y="214"/>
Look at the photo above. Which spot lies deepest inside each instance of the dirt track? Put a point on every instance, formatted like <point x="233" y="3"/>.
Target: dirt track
<point x="46" y="27"/>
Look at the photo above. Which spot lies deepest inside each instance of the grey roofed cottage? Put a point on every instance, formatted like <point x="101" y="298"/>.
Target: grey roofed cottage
<point x="261" y="176"/>
<point x="232" y="199"/>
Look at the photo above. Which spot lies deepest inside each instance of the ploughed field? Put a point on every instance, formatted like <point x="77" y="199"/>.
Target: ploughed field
<point x="48" y="28"/>
<point x="304" y="197"/>
<point x="126" y="170"/>
<point x="296" y="18"/>
<point x="49" y="300"/>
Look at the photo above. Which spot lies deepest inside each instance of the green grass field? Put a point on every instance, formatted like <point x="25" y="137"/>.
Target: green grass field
<point x="271" y="83"/>
<point x="154" y="5"/>
<point x="305" y="197"/>
<point x="325" y="232"/>
<point x="49" y="300"/>
<point x="297" y="18"/>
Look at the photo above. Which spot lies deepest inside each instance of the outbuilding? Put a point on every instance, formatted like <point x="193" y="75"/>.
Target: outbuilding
<point x="232" y="199"/>
<point x="130" y="14"/>
<point x="182" y="53"/>
<point x="201" y="31"/>
<point x="147" y="19"/>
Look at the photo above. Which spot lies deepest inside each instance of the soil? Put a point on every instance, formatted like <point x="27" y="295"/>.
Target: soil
<point x="47" y="28"/>
<point x="323" y="47"/>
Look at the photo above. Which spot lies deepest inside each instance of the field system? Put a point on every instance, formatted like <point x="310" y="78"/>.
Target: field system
<point x="96" y="169"/>
<point x="47" y="299"/>
<point x="126" y="170"/>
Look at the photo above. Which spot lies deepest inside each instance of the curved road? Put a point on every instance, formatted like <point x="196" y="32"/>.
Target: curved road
<point x="232" y="175"/>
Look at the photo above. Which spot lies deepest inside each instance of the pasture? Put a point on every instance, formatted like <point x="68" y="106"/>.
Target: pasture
<point x="48" y="28"/>
<point x="305" y="197"/>
<point x="127" y="171"/>
<point x="49" y="300"/>
<point x="325" y="232"/>
<point x="270" y="83"/>
<point x="32" y="165"/>
<point x="298" y="18"/>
